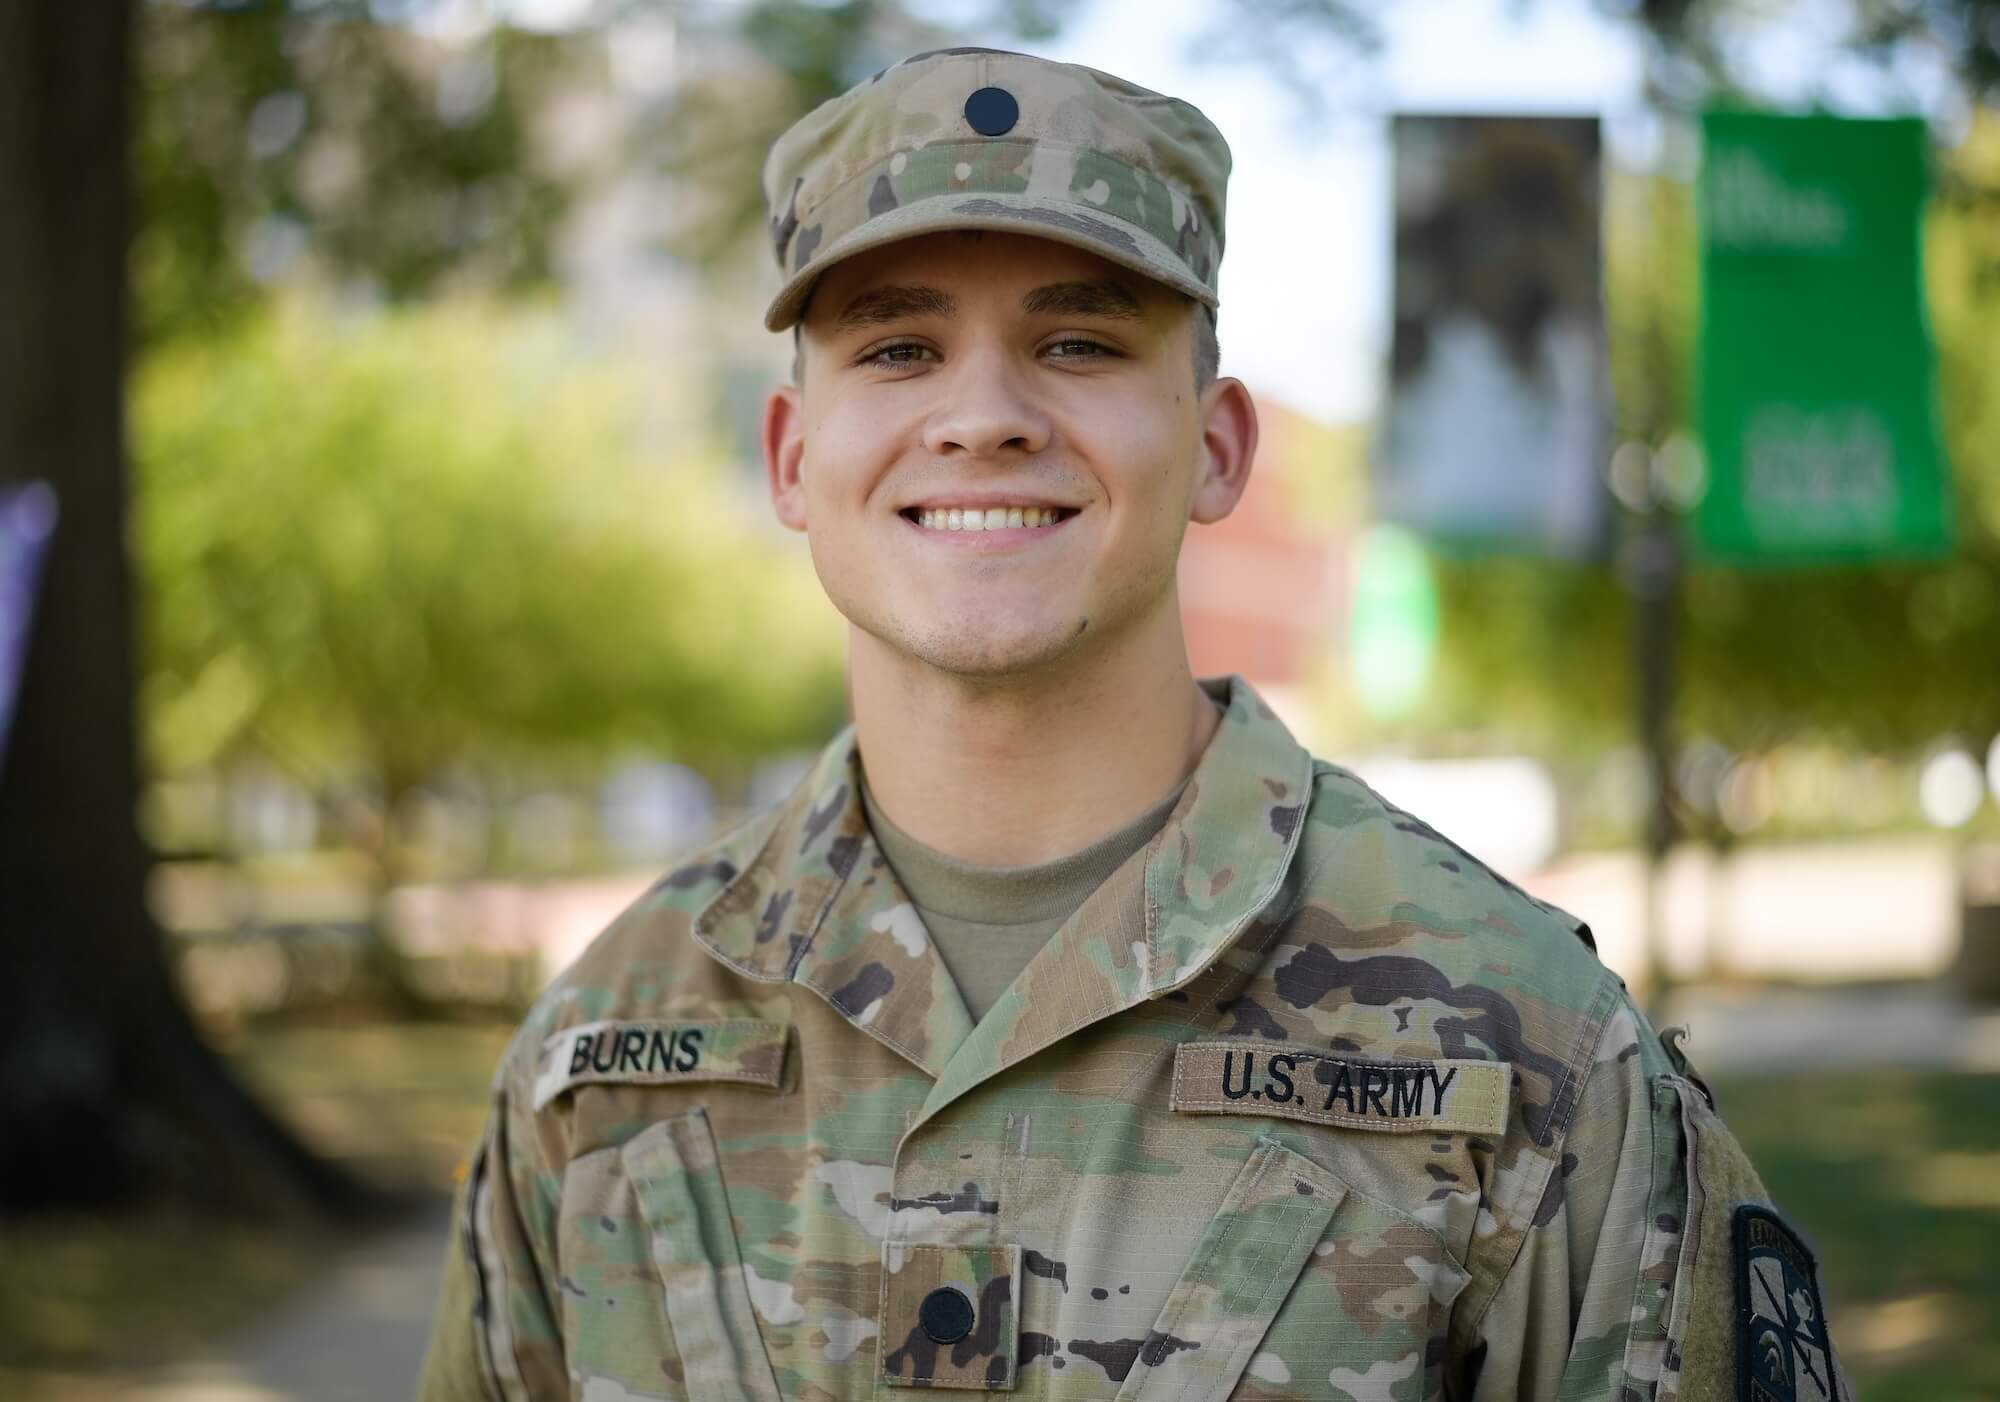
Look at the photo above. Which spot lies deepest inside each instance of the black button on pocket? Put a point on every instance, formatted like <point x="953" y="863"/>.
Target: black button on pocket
<point x="945" y="1315"/>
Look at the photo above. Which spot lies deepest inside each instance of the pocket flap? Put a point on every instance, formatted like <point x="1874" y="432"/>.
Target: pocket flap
<point x="1248" y="1257"/>
<point x="675" y="1173"/>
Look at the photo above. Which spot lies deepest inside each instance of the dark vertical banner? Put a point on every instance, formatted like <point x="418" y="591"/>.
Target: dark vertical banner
<point x="1816" y="375"/>
<point x="27" y="518"/>
<point x="1499" y="402"/>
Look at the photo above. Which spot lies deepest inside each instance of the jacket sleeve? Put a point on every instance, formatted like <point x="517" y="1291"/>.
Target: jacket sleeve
<point x="496" y="1335"/>
<point x="1626" y="1284"/>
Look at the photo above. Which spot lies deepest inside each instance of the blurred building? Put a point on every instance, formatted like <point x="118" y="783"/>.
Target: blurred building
<point x="1263" y="591"/>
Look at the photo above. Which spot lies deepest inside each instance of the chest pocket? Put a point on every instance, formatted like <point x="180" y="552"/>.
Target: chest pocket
<point x="1299" y="1287"/>
<point x="654" y="1297"/>
<point x="674" y="1171"/>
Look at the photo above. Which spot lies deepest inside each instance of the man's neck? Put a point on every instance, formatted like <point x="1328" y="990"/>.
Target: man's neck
<point x="1033" y="769"/>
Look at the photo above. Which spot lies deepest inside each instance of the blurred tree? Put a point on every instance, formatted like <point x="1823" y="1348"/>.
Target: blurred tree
<point x="1701" y="44"/>
<point x="275" y="134"/>
<point x="274" y="130"/>
<point x="448" y="536"/>
<point x="760" y="67"/>
<point x="106" y="1094"/>
<point x="396" y="163"/>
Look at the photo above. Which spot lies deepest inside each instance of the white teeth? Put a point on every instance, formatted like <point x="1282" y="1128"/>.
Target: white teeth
<point x="993" y="518"/>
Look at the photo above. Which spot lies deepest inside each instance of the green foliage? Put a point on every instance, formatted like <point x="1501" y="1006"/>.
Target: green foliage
<point x="1703" y="39"/>
<point x="1533" y="652"/>
<point x="402" y="165"/>
<point x="435" y="536"/>
<point x="276" y="130"/>
<point x="1893" y="1173"/>
<point x="762" y="67"/>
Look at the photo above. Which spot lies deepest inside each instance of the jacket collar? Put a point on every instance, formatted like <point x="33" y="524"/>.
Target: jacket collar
<point x="820" y="906"/>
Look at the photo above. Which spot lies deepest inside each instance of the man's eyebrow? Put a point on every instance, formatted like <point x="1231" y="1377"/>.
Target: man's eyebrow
<point x="1100" y="298"/>
<point x="880" y="304"/>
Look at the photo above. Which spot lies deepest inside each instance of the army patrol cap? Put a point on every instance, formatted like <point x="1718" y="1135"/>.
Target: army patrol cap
<point x="984" y="139"/>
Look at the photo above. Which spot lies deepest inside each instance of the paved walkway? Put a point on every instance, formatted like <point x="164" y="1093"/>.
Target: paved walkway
<point x="1920" y="1025"/>
<point x="358" y="1338"/>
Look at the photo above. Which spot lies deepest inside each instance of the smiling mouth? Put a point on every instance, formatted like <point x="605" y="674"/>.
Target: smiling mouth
<point x="994" y="518"/>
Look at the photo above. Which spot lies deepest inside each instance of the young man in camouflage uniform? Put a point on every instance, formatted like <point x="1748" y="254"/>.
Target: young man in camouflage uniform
<point x="1071" y="1031"/>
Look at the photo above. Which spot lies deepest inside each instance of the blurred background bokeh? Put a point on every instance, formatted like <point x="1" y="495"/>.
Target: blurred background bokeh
<point x="388" y="589"/>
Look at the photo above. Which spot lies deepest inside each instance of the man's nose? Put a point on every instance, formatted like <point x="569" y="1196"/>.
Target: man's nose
<point x="986" y="409"/>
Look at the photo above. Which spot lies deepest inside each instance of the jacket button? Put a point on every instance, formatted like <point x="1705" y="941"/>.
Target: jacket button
<point x="945" y="1315"/>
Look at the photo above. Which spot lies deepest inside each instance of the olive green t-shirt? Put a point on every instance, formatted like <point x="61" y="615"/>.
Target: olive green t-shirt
<point x="987" y="922"/>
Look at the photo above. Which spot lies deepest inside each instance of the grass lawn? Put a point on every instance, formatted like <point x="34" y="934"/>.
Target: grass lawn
<point x="1895" y="1175"/>
<point x="398" y="1103"/>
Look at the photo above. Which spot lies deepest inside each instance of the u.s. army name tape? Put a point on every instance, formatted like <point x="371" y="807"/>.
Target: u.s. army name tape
<point x="1237" y="1078"/>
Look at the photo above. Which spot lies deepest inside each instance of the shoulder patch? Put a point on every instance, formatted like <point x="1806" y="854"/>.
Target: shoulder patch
<point x="653" y="1052"/>
<point x="1782" y="1350"/>
<point x="1298" y="1083"/>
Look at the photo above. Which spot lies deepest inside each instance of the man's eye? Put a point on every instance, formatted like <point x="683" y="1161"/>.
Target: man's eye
<point x="896" y="353"/>
<point x="1079" y="348"/>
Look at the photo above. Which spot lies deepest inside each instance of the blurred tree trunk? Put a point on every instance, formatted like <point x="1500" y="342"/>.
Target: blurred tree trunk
<point x="107" y="1095"/>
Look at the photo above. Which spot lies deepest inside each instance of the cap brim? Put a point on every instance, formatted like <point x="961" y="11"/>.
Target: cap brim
<point x="1039" y="216"/>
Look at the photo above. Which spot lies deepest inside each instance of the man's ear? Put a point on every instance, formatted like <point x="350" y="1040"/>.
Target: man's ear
<point x="1228" y="444"/>
<point x="784" y="440"/>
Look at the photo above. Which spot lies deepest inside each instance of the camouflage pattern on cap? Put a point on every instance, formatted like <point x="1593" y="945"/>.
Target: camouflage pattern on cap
<point x="983" y="139"/>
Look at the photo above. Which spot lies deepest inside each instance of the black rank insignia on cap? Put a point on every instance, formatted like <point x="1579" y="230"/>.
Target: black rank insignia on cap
<point x="1782" y="1353"/>
<point x="992" y="111"/>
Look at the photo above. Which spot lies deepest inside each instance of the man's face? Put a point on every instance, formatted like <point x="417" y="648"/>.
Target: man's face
<point x="981" y="374"/>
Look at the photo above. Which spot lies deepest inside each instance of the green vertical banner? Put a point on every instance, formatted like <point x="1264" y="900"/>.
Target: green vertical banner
<point x="1816" y="375"/>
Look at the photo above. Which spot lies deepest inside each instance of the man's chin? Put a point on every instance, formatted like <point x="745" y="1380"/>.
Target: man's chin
<point x="980" y="654"/>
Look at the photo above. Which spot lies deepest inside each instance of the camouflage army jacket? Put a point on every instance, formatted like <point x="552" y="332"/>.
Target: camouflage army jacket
<point x="1303" y="1102"/>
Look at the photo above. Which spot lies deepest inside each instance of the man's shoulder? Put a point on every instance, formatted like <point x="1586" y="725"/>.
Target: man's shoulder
<point x="644" y="962"/>
<point x="1379" y="878"/>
